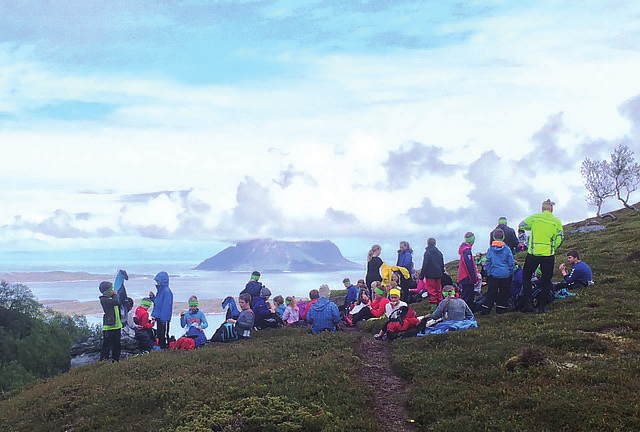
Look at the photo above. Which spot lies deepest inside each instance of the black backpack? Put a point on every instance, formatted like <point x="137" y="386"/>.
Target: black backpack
<point x="225" y="333"/>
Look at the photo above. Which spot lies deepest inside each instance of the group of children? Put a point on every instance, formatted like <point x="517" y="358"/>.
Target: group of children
<point x="386" y="294"/>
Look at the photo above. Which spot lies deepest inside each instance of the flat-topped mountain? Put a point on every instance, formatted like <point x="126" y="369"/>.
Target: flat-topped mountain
<point x="273" y="255"/>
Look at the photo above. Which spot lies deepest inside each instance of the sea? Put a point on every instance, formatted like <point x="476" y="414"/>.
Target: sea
<point x="183" y="281"/>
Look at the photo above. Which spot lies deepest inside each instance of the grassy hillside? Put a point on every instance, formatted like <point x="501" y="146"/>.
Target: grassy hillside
<point x="577" y="368"/>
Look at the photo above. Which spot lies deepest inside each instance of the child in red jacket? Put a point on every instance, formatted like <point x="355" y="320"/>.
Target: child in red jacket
<point x="142" y="318"/>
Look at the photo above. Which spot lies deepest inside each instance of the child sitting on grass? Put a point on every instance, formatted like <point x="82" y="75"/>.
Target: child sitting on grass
<point x="195" y="321"/>
<point x="291" y="314"/>
<point x="244" y="323"/>
<point x="279" y="305"/>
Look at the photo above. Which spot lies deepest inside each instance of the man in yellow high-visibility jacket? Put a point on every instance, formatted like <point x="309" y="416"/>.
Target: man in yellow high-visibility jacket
<point x="545" y="237"/>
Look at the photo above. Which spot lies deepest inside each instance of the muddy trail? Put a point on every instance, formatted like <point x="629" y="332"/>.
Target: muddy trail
<point x="390" y="392"/>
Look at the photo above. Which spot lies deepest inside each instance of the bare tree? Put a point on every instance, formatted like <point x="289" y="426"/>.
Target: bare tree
<point x="598" y="182"/>
<point x="625" y="173"/>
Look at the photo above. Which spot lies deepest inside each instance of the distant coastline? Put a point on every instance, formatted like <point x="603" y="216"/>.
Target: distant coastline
<point x="75" y="307"/>
<point x="59" y="276"/>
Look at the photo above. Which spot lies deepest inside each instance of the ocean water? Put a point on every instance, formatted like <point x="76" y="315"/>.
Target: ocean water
<point x="183" y="282"/>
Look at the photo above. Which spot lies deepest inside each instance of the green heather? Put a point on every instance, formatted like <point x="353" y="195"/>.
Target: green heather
<point x="575" y="369"/>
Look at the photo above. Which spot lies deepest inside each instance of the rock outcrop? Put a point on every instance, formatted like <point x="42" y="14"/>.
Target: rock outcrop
<point x="88" y="351"/>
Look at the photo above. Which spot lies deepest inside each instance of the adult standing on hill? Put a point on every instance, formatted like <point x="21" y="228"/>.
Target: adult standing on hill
<point x="162" y="307"/>
<point x="374" y="262"/>
<point x="545" y="237"/>
<point x="432" y="271"/>
<point x="405" y="256"/>
<point x="467" y="271"/>
<point x="510" y="237"/>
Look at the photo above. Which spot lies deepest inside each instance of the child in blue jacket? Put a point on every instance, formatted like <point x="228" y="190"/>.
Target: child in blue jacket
<point x="162" y="307"/>
<point x="500" y="267"/>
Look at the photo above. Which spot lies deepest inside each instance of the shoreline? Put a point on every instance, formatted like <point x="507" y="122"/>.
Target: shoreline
<point x="61" y="276"/>
<point x="93" y="307"/>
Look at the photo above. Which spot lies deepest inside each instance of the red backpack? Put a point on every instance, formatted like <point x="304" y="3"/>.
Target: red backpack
<point x="183" y="343"/>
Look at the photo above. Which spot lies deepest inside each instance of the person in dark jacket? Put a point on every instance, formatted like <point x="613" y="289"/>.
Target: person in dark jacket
<point x="374" y="262"/>
<point x="467" y="271"/>
<point x="510" y="237"/>
<point x="405" y="256"/>
<point x="162" y="307"/>
<point x="264" y="316"/>
<point x="253" y="287"/>
<point x="432" y="271"/>
<point x="580" y="276"/>
<point x="500" y="268"/>
<point x="111" y="323"/>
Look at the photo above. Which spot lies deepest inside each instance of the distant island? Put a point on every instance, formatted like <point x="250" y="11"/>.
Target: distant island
<point x="272" y="255"/>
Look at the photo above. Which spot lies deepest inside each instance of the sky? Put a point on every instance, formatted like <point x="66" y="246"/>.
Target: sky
<point x="176" y="128"/>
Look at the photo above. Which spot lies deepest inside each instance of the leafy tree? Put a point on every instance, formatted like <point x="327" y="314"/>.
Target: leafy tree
<point x="20" y="298"/>
<point x="597" y="181"/>
<point x="625" y="173"/>
<point x="35" y="342"/>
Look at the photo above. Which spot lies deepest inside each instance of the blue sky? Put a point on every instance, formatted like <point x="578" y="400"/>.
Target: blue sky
<point x="185" y="126"/>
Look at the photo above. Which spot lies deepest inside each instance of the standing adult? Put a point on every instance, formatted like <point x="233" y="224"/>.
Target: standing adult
<point x="162" y="307"/>
<point x="432" y="272"/>
<point x="510" y="237"/>
<point x="500" y="268"/>
<point x="374" y="262"/>
<point x="545" y="237"/>
<point x="405" y="256"/>
<point x="467" y="271"/>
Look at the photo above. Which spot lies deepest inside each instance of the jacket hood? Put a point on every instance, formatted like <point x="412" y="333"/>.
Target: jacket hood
<point x="464" y="246"/>
<point x="162" y="279"/>
<point x="498" y="246"/>
<point x="321" y="304"/>
<point x="408" y="250"/>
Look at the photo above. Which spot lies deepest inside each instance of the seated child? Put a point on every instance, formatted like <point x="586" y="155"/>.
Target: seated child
<point x="194" y="321"/>
<point x="451" y="308"/>
<point x="292" y="313"/>
<point x="244" y="323"/>
<point x="264" y="316"/>
<point x="400" y="317"/>
<point x="279" y="305"/>
<point x="145" y="342"/>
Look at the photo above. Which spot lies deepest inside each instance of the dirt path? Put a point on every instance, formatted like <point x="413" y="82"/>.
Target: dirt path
<point x="389" y="390"/>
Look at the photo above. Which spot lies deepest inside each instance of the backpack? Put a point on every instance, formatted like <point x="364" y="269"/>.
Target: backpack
<point x="197" y="335"/>
<point x="398" y="315"/>
<point x="225" y="333"/>
<point x="183" y="343"/>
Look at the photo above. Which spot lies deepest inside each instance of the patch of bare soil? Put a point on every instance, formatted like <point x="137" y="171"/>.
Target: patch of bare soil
<point x="389" y="390"/>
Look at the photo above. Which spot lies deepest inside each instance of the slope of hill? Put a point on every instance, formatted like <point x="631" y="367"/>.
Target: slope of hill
<point x="577" y="369"/>
<point x="272" y="255"/>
